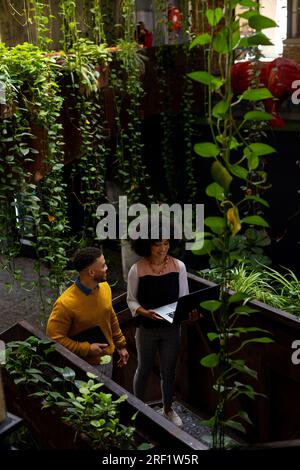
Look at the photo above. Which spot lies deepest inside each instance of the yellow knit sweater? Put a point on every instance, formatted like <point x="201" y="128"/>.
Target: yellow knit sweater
<point x="74" y="312"/>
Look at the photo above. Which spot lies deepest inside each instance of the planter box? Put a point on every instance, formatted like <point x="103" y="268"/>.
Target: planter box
<point x="276" y="417"/>
<point x="49" y="429"/>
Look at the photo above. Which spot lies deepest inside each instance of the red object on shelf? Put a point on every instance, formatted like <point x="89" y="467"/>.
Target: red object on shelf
<point x="174" y="18"/>
<point x="278" y="76"/>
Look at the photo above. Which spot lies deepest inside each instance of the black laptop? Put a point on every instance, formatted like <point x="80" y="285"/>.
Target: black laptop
<point x="179" y="311"/>
<point x="91" y="335"/>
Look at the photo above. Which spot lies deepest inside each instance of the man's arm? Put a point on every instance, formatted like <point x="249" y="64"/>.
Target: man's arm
<point x="58" y="328"/>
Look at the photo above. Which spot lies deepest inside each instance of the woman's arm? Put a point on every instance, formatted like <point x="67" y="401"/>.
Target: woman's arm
<point x="132" y="289"/>
<point x="183" y="281"/>
<point x="132" y="301"/>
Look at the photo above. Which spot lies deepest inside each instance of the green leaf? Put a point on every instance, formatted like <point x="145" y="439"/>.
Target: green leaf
<point x="202" y="247"/>
<point x="207" y="150"/>
<point x="216" y="224"/>
<point x="235" y="425"/>
<point x="258" y="39"/>
<point x="255" y="220"/>
<point x="209" y="422"/>
<point x="201" y="40"/>
<point x="24" y="151"/>
<point x="214" y="16"/>
<point x="245" y="416"/>
<point x="221" y="175"/>
<point x="68" y="373"/>
<point x="19" y="380"/>
<point x="241" y="367"/>
<point x="257" y="199"/>
<point x="91" y="375"/>
<point x="216" y="191"/>
<point x="249" y="329"/>
<point x="237" y="297"/>
<point x="239" y="171"/>
<point x="263" y="339"/>
<point x="57" y="166"/>
<point x="220" y="42"/>
<point x="258" y="116"/>
<point x="207" y="79"/>
<point x="145" y="446"/>
<point x="211" y="305"/>
<point x="253" y="161"/>
<point x="211" y="360"/>
<point x="212" y="336"/>
<point x="105" y="359"/>
<point x="33" y="371"/>
<point x="261" y="149"/>
<point x="256" y="94"/>
<point x="220" y="109"/>
<point x="246" y="15"/>
<point x="245" y="309"/>
<point x="236" y="36"/>
<point x="249" y="3"/>
<point x="260" y="22"/>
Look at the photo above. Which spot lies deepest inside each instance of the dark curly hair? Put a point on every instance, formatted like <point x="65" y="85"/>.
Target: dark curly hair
<point x="84" y="257"/>
<point x="142" y="246"/>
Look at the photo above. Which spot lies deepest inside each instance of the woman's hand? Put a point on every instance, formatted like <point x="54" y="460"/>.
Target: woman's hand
<point x="124" y="356"/>
<point x="154" y="316"/>
<point x="194" y="315"/>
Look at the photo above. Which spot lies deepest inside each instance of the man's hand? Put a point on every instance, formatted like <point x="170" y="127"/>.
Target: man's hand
<point x="124" y="356"/>
<point x="96" y="349"/>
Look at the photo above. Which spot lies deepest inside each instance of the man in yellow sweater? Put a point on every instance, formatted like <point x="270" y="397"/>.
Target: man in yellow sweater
<point x="84" y="305"/>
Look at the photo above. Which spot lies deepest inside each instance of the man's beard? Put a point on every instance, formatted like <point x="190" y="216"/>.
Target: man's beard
<point x="100" y="278"/>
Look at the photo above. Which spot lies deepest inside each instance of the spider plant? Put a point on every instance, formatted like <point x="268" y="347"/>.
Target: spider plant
<point x="279" y="290"/>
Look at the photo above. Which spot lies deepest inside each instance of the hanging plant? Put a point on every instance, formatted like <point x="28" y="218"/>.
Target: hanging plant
<point x="69" y="23"/>
<point x="35" y="104"/>
<point x="128" y="92"/>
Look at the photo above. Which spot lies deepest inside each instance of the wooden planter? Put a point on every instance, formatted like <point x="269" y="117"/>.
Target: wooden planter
<point x="276" y="417"/>
<point x="52" y="433"/>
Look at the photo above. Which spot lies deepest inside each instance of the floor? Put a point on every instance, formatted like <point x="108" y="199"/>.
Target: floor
<point x="21" y="300"/>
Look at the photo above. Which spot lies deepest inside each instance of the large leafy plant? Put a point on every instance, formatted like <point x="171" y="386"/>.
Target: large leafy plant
<point x="234" y="159"/>
<point x="93" y="413"/>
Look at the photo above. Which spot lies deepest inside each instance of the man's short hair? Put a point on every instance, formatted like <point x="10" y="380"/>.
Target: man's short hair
<point x="84" y="257"/>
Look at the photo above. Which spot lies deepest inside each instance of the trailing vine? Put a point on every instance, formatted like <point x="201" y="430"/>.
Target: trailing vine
<point x="69" y="23"/>
<point x="98" y="22"/>
<point x="160" y="20"/>
<point x="89" y="66"/>
<point x="163" y="58"/>
<point x="33" y="105"/>
<point x="128" y="90"/>
<point x="42" y="18"/>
